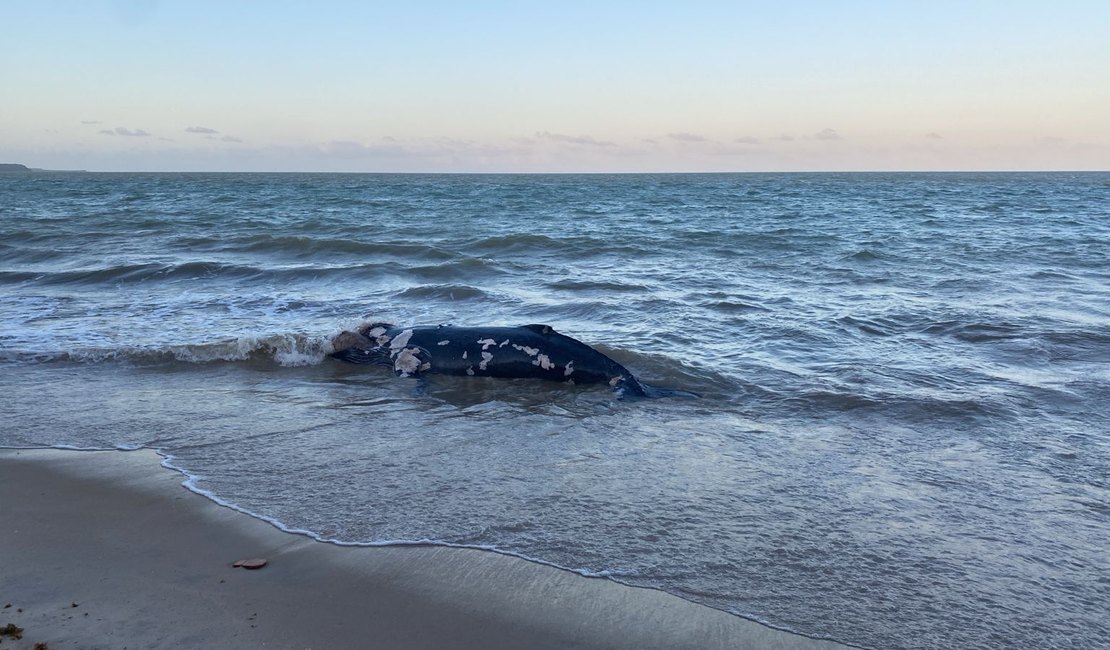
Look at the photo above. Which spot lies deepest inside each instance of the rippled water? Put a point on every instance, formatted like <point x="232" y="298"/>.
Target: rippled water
<point x="902" y="440"/>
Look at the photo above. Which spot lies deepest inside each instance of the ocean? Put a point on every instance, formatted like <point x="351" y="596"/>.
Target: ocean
<point x="902" y="438"/>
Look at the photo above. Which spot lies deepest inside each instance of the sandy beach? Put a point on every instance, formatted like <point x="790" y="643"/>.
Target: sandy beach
<point x="108" y="550"/>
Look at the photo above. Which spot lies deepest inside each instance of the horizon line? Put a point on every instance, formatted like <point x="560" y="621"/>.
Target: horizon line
<point x="31" y="170"/>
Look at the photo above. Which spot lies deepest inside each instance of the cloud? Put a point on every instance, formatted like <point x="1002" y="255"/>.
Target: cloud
<point x="574" y="139"/>
<point x="746" y="140"/>
<point x="91" y="122"/>
<point x="784" y="138"/>
<point x="136" y="133"/>
<point x="230" y="138"/>
<point x="199" y="129"/>
<point x="351" y="149"/>
<point x="933" y="135"/>
<point x="686" y="137"/>
<point x="437" y="152"/>
<point x="827" y="134"/>
<point x="119" y="130"/>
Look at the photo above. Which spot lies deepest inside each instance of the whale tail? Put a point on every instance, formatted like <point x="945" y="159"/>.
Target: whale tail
<point x="633" y="388"/>
<point x="659" y="391"/>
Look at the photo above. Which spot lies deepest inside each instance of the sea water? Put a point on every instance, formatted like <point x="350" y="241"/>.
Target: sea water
<point x="903" y="434"/>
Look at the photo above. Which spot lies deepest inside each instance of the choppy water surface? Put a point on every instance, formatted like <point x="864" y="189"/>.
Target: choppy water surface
<point x="903" y="439"/>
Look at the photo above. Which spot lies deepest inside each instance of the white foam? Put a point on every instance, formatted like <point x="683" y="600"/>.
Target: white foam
<point x="295" y="358"/>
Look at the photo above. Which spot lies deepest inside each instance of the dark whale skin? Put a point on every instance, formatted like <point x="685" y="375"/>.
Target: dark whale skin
<point x="534" y="351"/>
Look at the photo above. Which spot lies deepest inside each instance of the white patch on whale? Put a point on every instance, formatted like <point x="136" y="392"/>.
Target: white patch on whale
<point x="443" y="342"/>
<point x="470" y="370"/>
<point x="407" y="363"/>
<point x="400" y="341"/>
<point x="485" y="343"/>
<point x="464" y="354"/>
<point x="504" y="343"/>
<point x="378" y="334"/>
<point x="544" y="362"/>
<point x="486" y="358"/>
<point x="569" y="370"/>
<point x="527" y="350"/>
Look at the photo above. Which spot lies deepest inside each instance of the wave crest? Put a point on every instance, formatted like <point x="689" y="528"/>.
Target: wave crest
<point x="288" y="350"/>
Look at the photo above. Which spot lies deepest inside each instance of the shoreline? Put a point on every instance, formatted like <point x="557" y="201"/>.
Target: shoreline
<point x="148" y="563"/>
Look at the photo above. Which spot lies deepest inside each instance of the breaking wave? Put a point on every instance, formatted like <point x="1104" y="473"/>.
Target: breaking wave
<point x="288" y="350"/>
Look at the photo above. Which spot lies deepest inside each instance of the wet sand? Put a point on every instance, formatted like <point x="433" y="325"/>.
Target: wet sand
<point x="107" y="550"/>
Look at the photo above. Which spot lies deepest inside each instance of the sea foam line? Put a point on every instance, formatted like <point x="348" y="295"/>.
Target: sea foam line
<point x="190" y="483"/>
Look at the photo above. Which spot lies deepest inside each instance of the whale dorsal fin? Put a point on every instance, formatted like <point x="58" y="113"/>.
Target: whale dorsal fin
<point x="540" y="329"/>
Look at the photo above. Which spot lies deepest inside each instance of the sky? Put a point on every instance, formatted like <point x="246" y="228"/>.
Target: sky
<point x="683" y="86"/>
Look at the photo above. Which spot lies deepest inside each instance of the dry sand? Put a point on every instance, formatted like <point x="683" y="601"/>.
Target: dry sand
<point x="107" y="550"/>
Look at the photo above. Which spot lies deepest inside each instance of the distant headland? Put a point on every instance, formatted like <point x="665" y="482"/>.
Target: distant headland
<point x="16" y="168"/>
